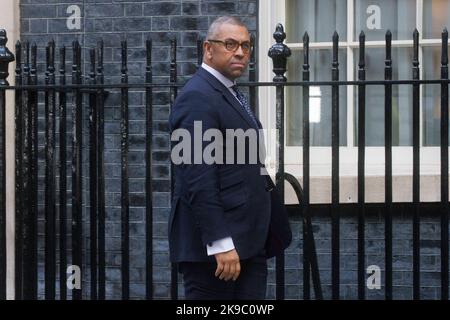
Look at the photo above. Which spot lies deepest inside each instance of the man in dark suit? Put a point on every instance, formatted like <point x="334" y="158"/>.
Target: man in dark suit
<point x="221" y="210"/>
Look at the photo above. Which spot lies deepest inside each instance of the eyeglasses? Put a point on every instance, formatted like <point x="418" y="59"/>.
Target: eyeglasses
<point x="233" y="45"/>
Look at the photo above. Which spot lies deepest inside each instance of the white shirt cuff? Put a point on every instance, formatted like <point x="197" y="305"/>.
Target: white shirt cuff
<point x="221" y="245"/>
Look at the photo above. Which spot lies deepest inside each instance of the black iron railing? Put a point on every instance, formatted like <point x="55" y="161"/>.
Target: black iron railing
<point x="59" y="96"/>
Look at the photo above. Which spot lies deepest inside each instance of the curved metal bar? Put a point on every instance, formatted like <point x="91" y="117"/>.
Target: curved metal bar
<point x="309" y="236"/>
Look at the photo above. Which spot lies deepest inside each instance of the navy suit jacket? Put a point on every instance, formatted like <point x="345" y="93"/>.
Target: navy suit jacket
<point x="214" y="201"/>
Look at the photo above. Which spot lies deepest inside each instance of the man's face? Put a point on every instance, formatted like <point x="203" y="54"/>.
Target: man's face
<point x="229" y="63"/>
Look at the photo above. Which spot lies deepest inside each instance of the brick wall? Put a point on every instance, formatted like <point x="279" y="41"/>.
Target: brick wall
<point x="135" y="21"/>
<point x="374" y="246"/>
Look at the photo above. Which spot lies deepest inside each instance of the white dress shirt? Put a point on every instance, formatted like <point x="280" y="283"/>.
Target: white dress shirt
<point x="224" y="80"/>
<point x="225" y="244"/>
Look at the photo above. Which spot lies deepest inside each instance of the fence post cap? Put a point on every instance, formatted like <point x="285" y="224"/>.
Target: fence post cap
<point x="279" y="53"/>
<point x="5" y="58"/>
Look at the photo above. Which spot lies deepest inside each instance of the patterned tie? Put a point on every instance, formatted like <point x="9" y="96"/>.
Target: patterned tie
<point x="245" y="104"/>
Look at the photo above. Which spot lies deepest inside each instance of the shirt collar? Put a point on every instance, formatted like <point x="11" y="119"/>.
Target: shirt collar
<point x="224" y="80"/>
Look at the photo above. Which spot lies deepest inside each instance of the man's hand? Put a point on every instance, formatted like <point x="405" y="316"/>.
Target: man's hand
<point x="228" y="265"/>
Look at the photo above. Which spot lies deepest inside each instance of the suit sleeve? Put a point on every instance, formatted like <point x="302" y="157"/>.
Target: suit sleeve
<point x="202" y="180"/>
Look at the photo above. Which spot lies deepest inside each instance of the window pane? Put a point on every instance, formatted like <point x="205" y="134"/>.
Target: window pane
<point x="431" y="94"/>
<point x="375" y="17"/>
<point x="319" y="17"/>
<point x="436" y="16"/>
<point x="401" y="97"/>
<point x="320" y="99"/>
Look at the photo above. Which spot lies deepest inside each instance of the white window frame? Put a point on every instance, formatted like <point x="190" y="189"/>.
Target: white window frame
<point x="272" y="12"/>
<point x="10" y="17"/>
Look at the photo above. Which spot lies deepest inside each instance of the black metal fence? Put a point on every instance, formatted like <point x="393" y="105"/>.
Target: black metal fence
<point x="60" y="95"/>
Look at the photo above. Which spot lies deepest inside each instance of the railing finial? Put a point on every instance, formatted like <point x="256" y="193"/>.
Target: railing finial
<point x="279" y="53"/>
<point x="5" y="58"/>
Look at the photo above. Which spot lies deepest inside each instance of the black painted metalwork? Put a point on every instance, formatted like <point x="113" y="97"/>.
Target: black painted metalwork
<point x="93" y="177"/>
<point x="173" y="95"/>
<point x="148" y="174"/>
<point x="30" y="186"/>
<point x="62" y="177"/>
<point x="50" y="177"/>
<point x="125" y="199"/>
<point x="309" y="250"/>
<point x="199" y="52"/>
<point x="388" y="167"/>
<point x="444" y="168"/>
<point x="252" y="78"/>
<point x="335" y="221"/>
<point x="416" y="168"/>
<point x="77" y="210"/>
<point x="19" y="192"/>
<point x="279" y="53"/>
<point x="306" y="173"/>
<point x="101" y="174"/>
<point x="361" y="164"/>
<point x="26" y="160"/>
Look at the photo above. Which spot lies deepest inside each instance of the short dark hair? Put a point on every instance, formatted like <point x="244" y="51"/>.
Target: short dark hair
<point x="213" y="28"/>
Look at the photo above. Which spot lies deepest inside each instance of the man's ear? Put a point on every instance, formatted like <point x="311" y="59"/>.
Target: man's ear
<point x="207" y="50"/>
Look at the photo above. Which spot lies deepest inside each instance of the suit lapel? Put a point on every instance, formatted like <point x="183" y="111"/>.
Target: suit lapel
<point x="239" y="108"/>
<point x="232" y="101"/>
